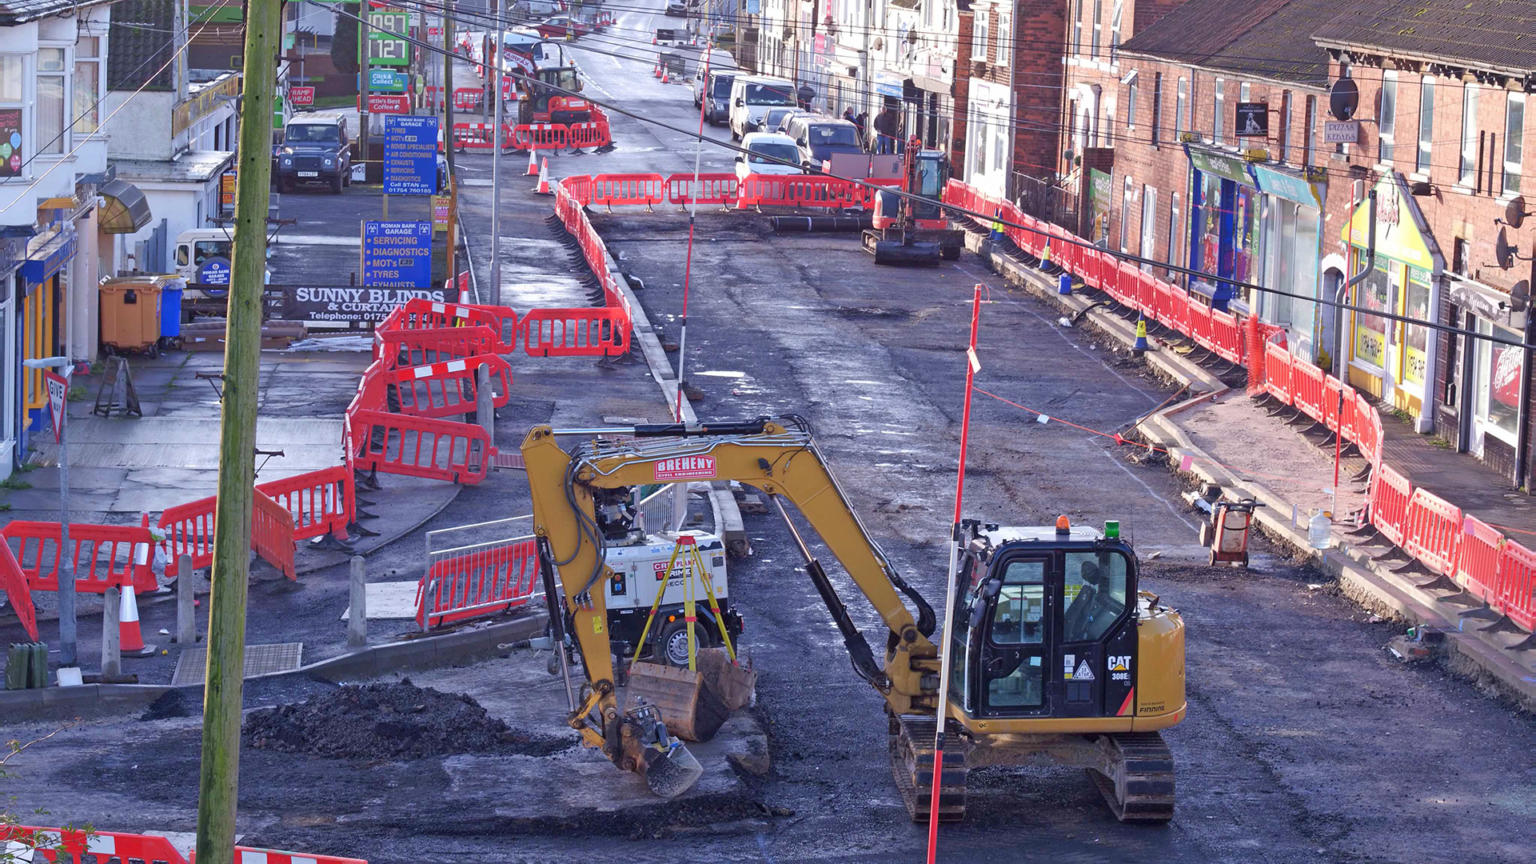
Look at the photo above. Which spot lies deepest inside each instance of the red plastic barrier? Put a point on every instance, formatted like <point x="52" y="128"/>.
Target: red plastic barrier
<point x="576" y="332"/>
<point x="467" y="99"/>
<point x="188" y="530"/>
<point x="447" y="389"/>
<point x="1277" y="371"/>
<point x="272" y="534"/>
<point x="29" y="842"/>
<point x="627" y="189"/>
<point x="591" y="134"/>
<point x="477" y="583"/>
<point x="117" y="555"/>
<point x="14" y="583"/>
<point x="433" y="345"/>
<point x="419" y="447"/>
<point x="1477" y="562"/>
<point x="1332" y="393"/>
<point x="712" y="189"/>
<point x="1368" y="429"/>
<point x="321" y="502"/>
<point x="1517" y="585"/>
<point x="1199" y="316"/>
<point x="1390" y="493"/>
<point x="798" y="190"/>
<point x="1227" y="334"/>
<point x="480" y="136"/>
<point x="1307" y="388"/>
<point x="541" y="136"/>
<point x="419" y="313"/>
<point x="1434" y="532"/>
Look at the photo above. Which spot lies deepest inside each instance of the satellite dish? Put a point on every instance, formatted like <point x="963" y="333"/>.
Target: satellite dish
<point x="1514" y="212"/>
<point x="1343" y="99"/>
<point x="1520" y="296"/>
<point x="1504" y="253"/>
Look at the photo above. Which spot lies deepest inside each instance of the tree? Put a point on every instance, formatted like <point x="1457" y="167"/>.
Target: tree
<point x="344" y="41"/>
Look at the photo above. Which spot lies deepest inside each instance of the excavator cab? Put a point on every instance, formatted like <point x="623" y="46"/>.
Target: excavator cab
<point x="551" y="99"/>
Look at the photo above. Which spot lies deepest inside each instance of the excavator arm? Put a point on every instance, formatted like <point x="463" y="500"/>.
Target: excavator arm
<point x="570" y="491"/>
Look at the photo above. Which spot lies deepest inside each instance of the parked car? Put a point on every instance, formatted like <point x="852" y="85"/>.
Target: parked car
<point x="767" y="153"/>
<point x="818" y="137"/>
<point x="777" y="119"/>
<point x="752" y="96"/>
<point x="315" y="150"/>
<point x="561" y="26"/>
<point x="676" y="9"/>
<point x="718" y="111"/>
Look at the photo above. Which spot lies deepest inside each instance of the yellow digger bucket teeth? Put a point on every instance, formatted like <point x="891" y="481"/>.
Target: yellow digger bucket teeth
<point x="693" y="705"/>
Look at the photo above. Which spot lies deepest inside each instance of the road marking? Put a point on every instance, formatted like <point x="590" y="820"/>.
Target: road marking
<point x="1110" y="455"/>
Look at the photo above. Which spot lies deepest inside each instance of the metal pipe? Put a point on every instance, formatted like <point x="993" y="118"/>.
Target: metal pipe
<point x="1340" y="366"/>
<point x="817" y="224"/>
<point x="1523" y="435"/>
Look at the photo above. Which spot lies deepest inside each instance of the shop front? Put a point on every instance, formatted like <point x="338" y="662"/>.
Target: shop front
<point x="13" y="251"/>
<point x="39" y="316"/>
<point x="1394" y="360"/>
<point x="1223" y="227"/>
<point x="1291" y="226"/>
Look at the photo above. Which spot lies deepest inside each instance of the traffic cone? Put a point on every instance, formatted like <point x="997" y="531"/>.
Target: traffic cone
<point x="656" y="71"/>
<point x="1141" y="335"/>
<point x="533" y="163"/>
<point x="129" y="636"/>
<point x="1045" y="254"/>
<point x="664" y="75"/>
<point x="543" y="187"/>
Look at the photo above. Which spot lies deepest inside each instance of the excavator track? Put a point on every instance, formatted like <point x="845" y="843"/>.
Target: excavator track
<point x="912" y="767"/>
<point x="1138" y="780"/>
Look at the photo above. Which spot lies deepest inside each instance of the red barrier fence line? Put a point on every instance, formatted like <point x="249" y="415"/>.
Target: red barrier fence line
<point x="188" y="530"/>
<point x="1277" y="371"/>
<point x="627" y="189"/>
<point x="1517" y="585"/>
<point x="1307" y="388"/>
<point x="541" y="136"/>
<point x="438" y="344"/>
<point x="1390" y="493"/>
<point x="477" y="583"/>
<point x="111" y="560"/>
<point x="711" y="189"/>
<point x="272" y="534"/>
<point x="77" y="846"/>
<point x="321" y="502"/>
<point x="1434" y="532"/>
<point x="1332" y="390"/>
<point x="449" y="388"/>
<point x="419" y="313"/>
<point x="1477" y="560"/>
<point x="420" y="447"/>
<point x="575" y="332"/>
<point x="14" y="583"/>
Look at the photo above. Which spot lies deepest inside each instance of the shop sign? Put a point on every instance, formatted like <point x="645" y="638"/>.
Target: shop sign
<point x="1341" y="132"/>
<point x="442" y="212"/>
<point x="1220" y="164"/>
<point x="387" y="81"/>
<point x="227" y="190"/>
<point x="410" y="155"/>
<point x="351" y="304"/>
<point x="1252" y="120"/>
<point x="194" y="108"/>
<point x="397" y="254"/>
<point x="1397" y="227"/>
<point x="1289" y="186"/>
<point x="388" y="103"/>
<point x="1100" y="199"/>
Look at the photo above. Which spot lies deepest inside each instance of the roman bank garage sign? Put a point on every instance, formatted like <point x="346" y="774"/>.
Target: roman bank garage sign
<point x="685" y="468"/>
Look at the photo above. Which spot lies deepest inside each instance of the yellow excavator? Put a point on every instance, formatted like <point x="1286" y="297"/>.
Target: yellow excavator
<point x="1054" y="654"/>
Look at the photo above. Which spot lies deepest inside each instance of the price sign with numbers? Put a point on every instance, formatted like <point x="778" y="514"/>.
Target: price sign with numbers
<point x="385" y="45"/>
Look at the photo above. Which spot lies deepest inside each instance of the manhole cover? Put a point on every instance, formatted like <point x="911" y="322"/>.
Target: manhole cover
<point x="191" y="667"/>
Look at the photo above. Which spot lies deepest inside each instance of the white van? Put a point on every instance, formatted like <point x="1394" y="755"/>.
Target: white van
<point x="752" y="96"/>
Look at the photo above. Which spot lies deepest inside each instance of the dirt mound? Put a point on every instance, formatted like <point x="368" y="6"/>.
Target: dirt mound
<point x="172" y="704"/>
<point x="390" y="721"/>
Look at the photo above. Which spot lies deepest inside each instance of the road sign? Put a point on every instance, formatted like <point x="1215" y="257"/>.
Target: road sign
<point x="58" y="393"/>
<point x="301" y="95"/>
<point x="397" y="254"/>
<point x="387" y="81"/>
<point x="388" y="103"/>
<point x="410" y="155"/>
<point x="227" y="190"/>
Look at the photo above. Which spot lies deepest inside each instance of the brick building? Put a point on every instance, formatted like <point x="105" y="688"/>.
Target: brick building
<point x="1009" y="63"/>
<point x="1439" y="133"/>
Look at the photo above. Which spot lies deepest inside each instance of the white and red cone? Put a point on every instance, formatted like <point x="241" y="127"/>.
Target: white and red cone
<point x="543" y="187"/>
<point x="130" y="637"/>
<point x="533" y="163"/>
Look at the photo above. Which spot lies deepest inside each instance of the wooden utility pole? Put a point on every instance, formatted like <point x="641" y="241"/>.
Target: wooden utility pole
<point x="219" y="776"/>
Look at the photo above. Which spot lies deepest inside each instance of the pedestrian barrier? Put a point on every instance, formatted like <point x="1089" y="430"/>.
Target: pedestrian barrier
<point x="272" y="533"/>
<point x="433" y="345"/>
<point x="1368" y="426"/>
<point x="1434" y="532"/>
<point x="1517" y="585"/>
<point x="798" y="190"/>
<point x="14" y="583"/>
<point x="541" y="136"/>
<point x="476" y="580"/>
<point x="595" y="133"/>
<point x="1307" y="388"/>
<point x="320" y="502"/>
<point x="104" y="556"/>
<point x="573" y="332"/>
<point x="1277" y="372"/>
<point x="468" y="99"/>
<point x="82" y="846"/>
<point x="627" y="189"/>
<point x="419" y="313"/>
<point x="710" y="189"/>
<point x="419" y="446"/>
<point x="1390" y="494"/>
<point x="449" y="388"/>
<point x="1477" y="559"/>
<point x="481" y="136"/>
<point x="188" y="530"/>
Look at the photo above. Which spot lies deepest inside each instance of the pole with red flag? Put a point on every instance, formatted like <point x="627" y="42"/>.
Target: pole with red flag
<point x="973" y="365"/>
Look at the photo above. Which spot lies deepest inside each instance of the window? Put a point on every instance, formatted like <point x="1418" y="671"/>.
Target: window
<point x="1125" y="215"/>
<point x="1309" y="137"/>
<point x="1514" y="141"/>
<point x="1180" y="105"/>
<point x="1386" y="116"/>
<point x="12" y="70"/>
<point x="1094" y="594"/>
<point x="87" y="85"/>
<point x="1077" y="28"/>
<point x="1114" y="30"/>
<point x="1468" y="135"/>
<point x="1426" y="124"/>
<point x="1242" y="92"/>
<point x="1018" y="619"/>
<point x="1148" y="225"/>
<point x="1220" y="111"/>
<point x="979" y="35"/>
<point x="1004" y="38"/>
<point x="1499" y="370"/>
<point x="1130" y="106"/>
<point x="50" y="100"/>
<point x="1174" y="233"/>
<point x="1157" y="105"/>
<point x="1285" y="124"/>
<point x="1098" y="24"/>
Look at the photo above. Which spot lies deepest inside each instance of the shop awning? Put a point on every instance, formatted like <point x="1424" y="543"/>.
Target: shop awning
<point x="125" y="210"/>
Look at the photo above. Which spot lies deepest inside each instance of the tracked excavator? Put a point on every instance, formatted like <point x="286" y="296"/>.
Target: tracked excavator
<point x="1055" y="654"/>
<point x="912" y="228"/>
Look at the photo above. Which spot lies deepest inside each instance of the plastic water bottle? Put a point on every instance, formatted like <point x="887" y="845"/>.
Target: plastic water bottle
<point x="1319" y="532"/>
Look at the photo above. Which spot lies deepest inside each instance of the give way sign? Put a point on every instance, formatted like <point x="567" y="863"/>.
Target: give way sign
<point x="58" y="390"/>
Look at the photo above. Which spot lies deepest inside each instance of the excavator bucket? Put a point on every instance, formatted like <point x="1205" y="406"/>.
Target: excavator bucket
<point x="671" y="773"/>
<point x="647" y="749"/>
<point x="694" y="705"/>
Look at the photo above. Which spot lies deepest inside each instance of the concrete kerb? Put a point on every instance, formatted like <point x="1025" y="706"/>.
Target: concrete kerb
<point x="1380" y="591"/>
<point x="469" y="645"/>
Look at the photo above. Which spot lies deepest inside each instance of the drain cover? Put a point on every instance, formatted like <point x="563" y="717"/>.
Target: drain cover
<point x="191" y="667"/>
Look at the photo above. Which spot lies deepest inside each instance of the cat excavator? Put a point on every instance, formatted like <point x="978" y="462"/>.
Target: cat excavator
<point x="1054" y="654"/>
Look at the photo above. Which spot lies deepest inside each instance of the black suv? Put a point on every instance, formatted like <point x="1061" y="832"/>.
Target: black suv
<point x="315" y="150"/>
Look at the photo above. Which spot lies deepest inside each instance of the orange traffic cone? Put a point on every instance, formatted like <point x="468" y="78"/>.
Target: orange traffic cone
<point x="129" y="636"/>
<point x="543" y="187"/>
<point x="656" y="71"/>
<point x="533" y="164"/>
<point x="663" y="74"/>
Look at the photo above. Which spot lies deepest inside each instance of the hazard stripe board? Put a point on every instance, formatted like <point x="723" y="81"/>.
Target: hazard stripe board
<point x="432" y="370"/>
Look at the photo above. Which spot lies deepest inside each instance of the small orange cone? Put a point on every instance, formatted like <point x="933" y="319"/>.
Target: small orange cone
<point x="533" y="164"/>
<point x="656" y="71"/>
<point x="131" y="639"/>
<point x="543" y="187"/>
<point x="664" y="75"/>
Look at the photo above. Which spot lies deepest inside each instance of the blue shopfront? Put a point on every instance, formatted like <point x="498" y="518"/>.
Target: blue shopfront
<point x="1223" y="227"/>
<point x="38" y="330"/>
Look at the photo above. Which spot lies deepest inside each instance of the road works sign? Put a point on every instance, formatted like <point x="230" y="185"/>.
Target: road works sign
<point x="58" y="393"/>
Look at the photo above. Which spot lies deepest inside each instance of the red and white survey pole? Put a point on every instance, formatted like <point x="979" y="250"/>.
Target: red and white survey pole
<point x="972" y="366"/>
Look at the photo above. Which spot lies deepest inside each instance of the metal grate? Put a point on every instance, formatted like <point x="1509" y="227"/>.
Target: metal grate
<point x="191" y="667"/>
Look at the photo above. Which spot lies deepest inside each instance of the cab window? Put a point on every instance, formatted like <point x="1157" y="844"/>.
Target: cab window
<point x="1094" y="593"/>
<point x="181" y="256"/>
<point x="205" y="249"/>
<point x="1017" y="618"/>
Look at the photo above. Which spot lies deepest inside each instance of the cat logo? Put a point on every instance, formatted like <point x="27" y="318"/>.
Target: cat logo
<point x="1119" y="662"/>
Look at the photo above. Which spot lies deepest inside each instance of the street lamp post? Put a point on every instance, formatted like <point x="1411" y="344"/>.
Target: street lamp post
<point x="67" y="639"/>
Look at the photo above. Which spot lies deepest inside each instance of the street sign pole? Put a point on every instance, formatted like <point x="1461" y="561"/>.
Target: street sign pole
<point x="496" y="61"/>
<point x="58" y="389"/>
